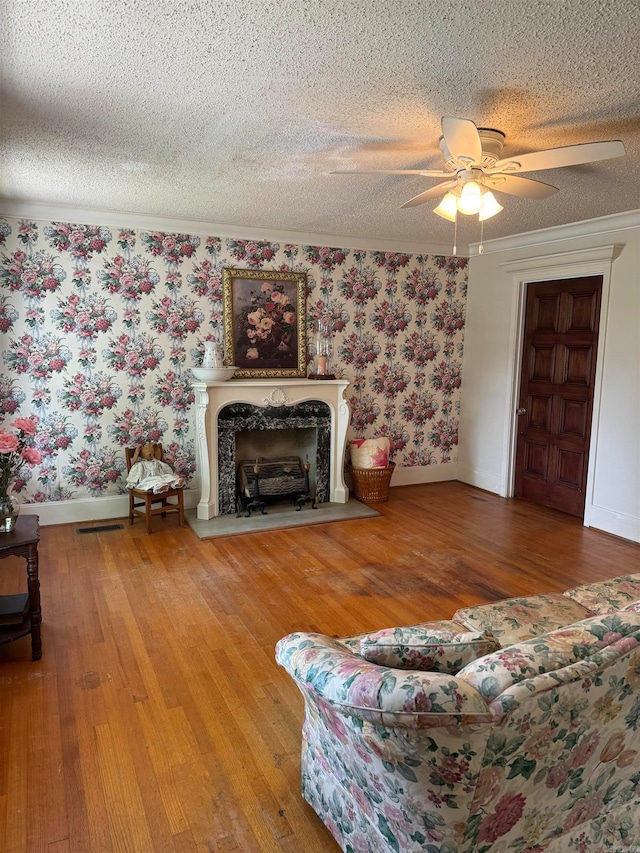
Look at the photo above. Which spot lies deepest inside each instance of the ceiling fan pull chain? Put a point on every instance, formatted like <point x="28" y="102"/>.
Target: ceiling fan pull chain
<point x="481" y="247"/>
<point x="455" y="233"/>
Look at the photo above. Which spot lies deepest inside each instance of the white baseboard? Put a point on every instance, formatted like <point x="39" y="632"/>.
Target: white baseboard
<point x="616" y="523"/>
<point x="482" y="480"/>
<point x="90" y="509"/>
<point x="423" y="474"/>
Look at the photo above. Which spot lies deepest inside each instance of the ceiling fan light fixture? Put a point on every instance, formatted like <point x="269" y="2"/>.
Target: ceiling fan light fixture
<point x="490" y="206"/>
<point x="448" y="207"/>
<point x="470" y="200"/>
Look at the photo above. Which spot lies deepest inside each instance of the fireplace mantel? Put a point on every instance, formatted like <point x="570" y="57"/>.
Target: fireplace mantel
<point x="211" y="397"/>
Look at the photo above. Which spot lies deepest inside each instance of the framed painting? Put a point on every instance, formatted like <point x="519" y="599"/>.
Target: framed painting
<point x="265" y="322"/>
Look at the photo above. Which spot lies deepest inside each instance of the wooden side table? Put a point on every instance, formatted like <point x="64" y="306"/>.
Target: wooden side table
<point x="23" y="542"/>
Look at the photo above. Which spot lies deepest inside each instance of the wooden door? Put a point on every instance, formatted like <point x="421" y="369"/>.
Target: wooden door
<point x="556" y="392"/>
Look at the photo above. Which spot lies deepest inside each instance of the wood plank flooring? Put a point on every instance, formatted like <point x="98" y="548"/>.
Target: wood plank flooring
<point x="157" y="719"/>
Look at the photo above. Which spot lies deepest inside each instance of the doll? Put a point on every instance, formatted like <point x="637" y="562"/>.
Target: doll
<point x="150" y="474"/>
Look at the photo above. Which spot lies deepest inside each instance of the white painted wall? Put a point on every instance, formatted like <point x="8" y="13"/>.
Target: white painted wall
<point x="490" y="368"/>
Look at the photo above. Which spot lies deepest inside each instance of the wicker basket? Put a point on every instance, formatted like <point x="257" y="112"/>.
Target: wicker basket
<point x="371" y="485"/>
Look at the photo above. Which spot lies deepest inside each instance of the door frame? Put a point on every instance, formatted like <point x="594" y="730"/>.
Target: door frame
<point x="575" y="264"/>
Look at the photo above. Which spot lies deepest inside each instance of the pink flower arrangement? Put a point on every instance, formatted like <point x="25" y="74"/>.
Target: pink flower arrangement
<point x="181" y="458"/>
<point x="448" y="317"/>
<point x="84" y="317"/>
<point x="16" y="450"/>
<point x="359" y="351"/>
<point x="391" y="261"/>
<point x="421" y="287"/>
<point x="173" y="391"/>
<point x="390" y="318"/>
<point x="91" y="395"/>
<point x="172" y="248"/>
<point x="325" y="257"/>
<point x="390" y="381"/>
<point x="94" y="470"/>
<point x="364" y="411"/>
<point x="137" y="427"/>
<point x="205" y="280"/>
<point x="81" y="241"/>
<point x="419" y="408"/>
<point x="420" y="349"/>
<point x="446" y="377"/>
<point x="39" y="358"/>
<point x="135" y="356"/>
<point x="252" y="252"/>
<point x="175" y="317"/>
<point x="33" y="276"/>
<point x="54" y="433"/>
<point x="359" y="287"/>
<point x="131" y="279"/>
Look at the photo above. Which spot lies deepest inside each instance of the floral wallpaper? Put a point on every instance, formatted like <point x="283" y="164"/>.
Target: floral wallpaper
<point x="99" y="326"/>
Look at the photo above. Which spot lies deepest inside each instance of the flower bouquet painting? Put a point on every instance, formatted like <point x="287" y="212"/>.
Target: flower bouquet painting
<point x="265" y="322"/>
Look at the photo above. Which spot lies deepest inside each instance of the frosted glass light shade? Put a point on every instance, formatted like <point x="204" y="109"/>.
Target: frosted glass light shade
<point x="470" y="200"/>
<point x="490" y="206"/>
<point x="447" y="208"/>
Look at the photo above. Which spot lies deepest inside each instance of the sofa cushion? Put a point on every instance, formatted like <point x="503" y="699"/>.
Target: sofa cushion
<point x="515" y="619"/>
<point x="607" y="596"/>
<point x="353" y="642"/>
<point x="423" y="648"/>
<point x="553" y="652"/>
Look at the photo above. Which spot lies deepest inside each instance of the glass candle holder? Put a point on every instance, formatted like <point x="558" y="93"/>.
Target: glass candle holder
<point x="322" y="363"/>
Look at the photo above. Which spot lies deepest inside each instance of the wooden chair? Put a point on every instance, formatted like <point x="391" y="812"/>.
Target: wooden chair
<point x="147" y="499"/>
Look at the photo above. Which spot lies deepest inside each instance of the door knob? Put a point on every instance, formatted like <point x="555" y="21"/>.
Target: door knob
<point x="521" y="411"/>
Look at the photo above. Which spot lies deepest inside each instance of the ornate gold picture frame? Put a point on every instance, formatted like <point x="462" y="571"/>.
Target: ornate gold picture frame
<point x="265" y="322"/>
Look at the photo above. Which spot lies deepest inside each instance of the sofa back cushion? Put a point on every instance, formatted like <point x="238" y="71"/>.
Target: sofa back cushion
<point x="516" y="619"/>
<point x="559" y="656"/>
<point x="607" y="596"/>
<point x="422" y="647"/>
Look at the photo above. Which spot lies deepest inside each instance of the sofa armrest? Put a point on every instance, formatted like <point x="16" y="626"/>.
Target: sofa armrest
<point x="325" y="670"/>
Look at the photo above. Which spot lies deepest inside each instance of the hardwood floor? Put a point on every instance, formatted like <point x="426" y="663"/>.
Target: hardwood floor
<point x="157" y="719"/>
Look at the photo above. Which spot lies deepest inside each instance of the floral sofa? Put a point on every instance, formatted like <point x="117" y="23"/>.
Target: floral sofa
<point x="512" y="727"/>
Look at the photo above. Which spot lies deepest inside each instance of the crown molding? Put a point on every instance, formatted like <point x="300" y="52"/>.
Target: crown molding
<point x="122" y="219"/>
<point x="571" y="231"/>
<point x="579" y="262"/>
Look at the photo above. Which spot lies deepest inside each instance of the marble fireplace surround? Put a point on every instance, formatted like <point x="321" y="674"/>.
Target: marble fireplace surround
<point x="276" y="397"/>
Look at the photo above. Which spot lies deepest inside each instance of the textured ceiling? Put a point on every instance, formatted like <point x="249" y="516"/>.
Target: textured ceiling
<point x="235" y="111"/>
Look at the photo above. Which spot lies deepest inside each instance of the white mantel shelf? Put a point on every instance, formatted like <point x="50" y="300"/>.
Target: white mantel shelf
<point x="211" y="397"/>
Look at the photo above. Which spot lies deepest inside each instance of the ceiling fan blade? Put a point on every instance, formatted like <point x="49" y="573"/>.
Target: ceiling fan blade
<point x="426" y="173"/>
<point x="514" y="185"/>
<point x="462" y="139"/>
<point x="429" y="194"/>
<point x="555" y="158"/>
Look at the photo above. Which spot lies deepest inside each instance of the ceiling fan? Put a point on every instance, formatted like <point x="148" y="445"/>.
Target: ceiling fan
<point x="473" y="169"/>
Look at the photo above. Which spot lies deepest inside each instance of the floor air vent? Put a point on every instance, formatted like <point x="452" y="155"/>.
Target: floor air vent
<point x="104" y="529"/>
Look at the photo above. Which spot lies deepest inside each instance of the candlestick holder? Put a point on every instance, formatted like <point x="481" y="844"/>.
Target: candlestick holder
<point x="323" y="354"/>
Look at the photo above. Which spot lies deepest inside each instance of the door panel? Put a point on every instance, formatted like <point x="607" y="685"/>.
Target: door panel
<point x="556" y="391"/>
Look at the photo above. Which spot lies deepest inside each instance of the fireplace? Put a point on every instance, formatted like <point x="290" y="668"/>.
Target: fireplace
<point x="228" y="412"/>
